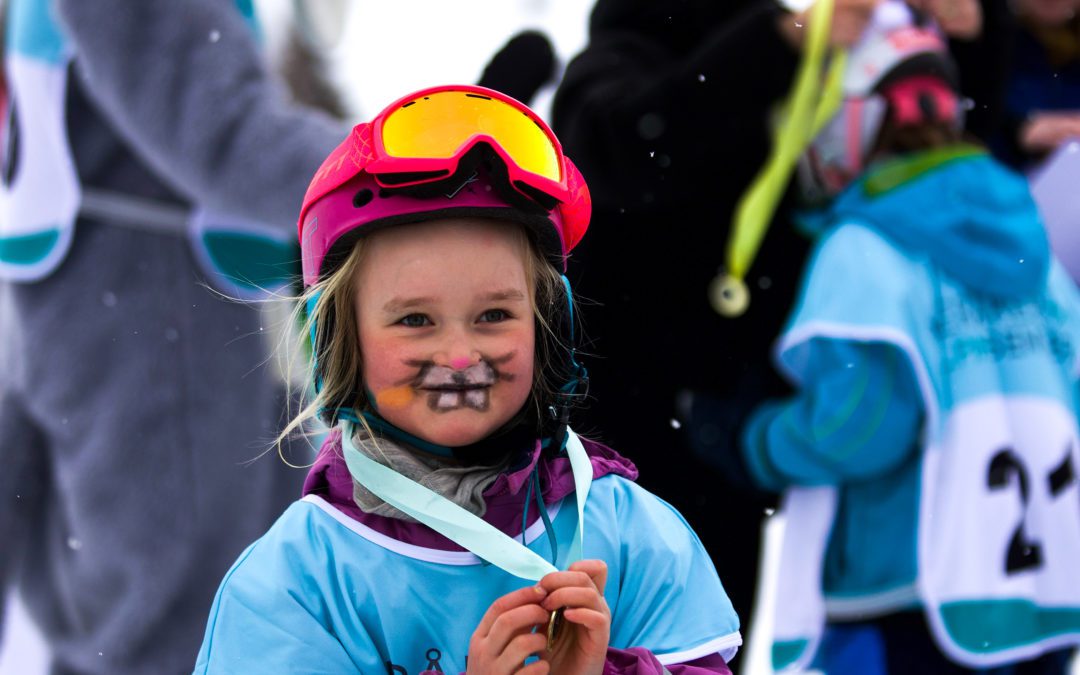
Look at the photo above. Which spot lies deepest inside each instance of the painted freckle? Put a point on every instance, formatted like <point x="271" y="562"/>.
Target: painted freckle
<point x="394" y="397"/>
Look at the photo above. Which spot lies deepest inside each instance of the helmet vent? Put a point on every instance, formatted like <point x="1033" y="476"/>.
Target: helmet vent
<point x="541" y="198"/>
<point x="362" y="198"/>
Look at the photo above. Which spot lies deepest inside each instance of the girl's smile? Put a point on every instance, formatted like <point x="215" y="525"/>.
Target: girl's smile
<point x="445" y="318"/>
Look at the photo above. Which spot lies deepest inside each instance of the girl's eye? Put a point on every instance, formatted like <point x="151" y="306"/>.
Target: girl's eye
<point x="494" y="316"/>
<point x="415" y="321"/>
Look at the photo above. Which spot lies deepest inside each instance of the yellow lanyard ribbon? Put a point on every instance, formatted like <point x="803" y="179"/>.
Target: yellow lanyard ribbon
<point x="808" y="107"/>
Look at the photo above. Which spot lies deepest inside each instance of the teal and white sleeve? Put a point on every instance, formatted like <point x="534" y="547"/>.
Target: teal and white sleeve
<point x="857" y="414"/>
<point x="849" y="350"/>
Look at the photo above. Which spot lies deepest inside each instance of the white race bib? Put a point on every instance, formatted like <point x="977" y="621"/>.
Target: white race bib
<point x="799" y="611"/>
<point x="999" y="540"/>
<point x="40" y="195"/>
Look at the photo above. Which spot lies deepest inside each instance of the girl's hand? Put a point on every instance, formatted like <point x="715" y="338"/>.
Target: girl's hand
<point x="513" y="628"/>
<point x="581" y="646"/>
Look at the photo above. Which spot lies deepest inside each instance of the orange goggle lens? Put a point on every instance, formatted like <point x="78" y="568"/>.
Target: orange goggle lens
<point x="437" y="125"/>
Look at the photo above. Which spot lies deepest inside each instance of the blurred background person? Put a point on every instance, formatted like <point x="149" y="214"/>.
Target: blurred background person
<point x="125" y="494"/>
<point x="669" y="112"/>
<point x="313" y="30"/>
<point x="1042" y="106"/>
<point x="929" y="452"/>
<point x="1039" y="130"/>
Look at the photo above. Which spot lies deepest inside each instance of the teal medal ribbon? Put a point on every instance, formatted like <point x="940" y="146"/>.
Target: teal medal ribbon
<point x="458" y="525"/>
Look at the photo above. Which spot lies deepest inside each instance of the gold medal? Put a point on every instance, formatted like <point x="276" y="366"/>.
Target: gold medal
<point x="555" y="624"/>
<point x="729" y="296"/>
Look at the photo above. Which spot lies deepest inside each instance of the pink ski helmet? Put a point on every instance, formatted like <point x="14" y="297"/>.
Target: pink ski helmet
<point x="447" y="151"/>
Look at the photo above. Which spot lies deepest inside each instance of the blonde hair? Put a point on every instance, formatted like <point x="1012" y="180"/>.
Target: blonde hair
<point x="336" y="360"/>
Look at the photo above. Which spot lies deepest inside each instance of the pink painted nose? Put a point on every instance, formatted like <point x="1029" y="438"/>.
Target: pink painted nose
<point x="458" y="356"/>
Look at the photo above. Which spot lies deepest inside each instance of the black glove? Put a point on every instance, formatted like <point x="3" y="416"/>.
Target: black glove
<point x="713" y="427"/>
<point x="521" y="67"/>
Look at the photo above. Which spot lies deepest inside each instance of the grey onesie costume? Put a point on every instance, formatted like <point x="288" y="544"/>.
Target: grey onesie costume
<point x="131" y="397"/>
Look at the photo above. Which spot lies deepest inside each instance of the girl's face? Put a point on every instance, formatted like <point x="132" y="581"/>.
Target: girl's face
<point x="445" y="319"/>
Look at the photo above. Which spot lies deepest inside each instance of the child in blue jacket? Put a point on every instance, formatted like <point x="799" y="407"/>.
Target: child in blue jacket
<point x="929" y="454"/>
<point x="453" y="522"/>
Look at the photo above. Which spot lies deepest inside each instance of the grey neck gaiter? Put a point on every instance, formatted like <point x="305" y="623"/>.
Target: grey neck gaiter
<point x="463" y="485"/>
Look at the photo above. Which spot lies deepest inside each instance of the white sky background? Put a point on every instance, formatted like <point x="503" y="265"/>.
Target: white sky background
<point x="390" y="48"/>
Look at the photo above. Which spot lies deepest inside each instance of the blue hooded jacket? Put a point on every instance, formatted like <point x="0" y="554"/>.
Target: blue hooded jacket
<point x="856" y="420"/>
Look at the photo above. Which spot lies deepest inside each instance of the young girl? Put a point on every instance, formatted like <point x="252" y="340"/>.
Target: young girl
<point x="452" y="521"/>
<point x="929" y="454"/>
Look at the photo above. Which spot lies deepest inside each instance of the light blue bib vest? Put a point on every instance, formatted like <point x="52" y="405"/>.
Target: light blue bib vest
<point x="41" y="198"/>
<point x="996" y="558"/>
<point x="322" y="593"/>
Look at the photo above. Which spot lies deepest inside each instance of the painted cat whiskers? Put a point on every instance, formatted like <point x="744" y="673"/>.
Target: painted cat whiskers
<point x="450" y="388"/>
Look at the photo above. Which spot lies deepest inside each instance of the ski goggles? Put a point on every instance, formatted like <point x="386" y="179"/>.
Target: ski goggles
<point x="427" y="132"/>
<point x="421" y="138"/>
